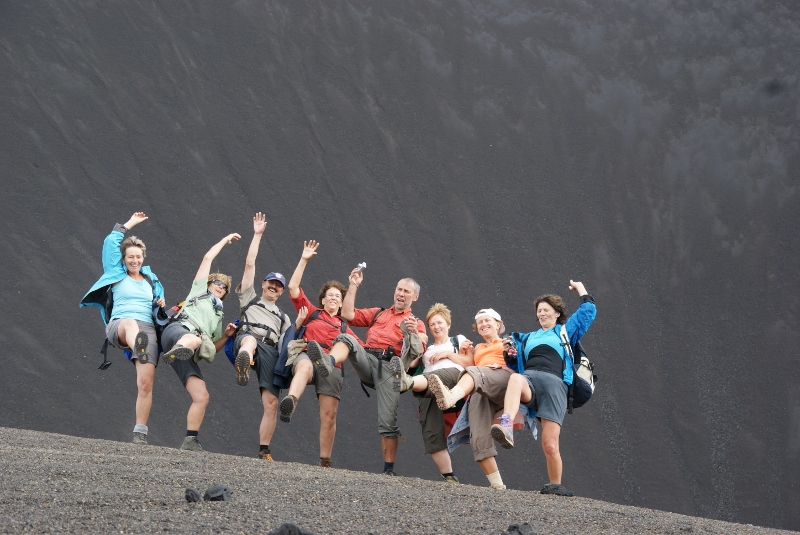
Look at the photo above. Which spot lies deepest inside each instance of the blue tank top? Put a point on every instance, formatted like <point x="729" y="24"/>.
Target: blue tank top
<point x="133" y="300"/>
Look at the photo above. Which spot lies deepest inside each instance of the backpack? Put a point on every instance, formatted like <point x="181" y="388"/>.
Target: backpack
<point x="282" y="374"/>
<point x="240" y="322"/>
<point x="583" y="377"/>
<point x="160" y="321"/>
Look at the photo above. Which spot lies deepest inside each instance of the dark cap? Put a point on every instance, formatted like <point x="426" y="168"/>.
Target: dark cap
<point x="276" y="277"/>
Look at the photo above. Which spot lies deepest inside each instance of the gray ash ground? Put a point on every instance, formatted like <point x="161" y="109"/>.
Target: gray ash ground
<point x="58" y="483"/>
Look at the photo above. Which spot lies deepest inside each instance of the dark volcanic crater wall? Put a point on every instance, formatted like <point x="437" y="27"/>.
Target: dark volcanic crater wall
<point x="491" y="150"/>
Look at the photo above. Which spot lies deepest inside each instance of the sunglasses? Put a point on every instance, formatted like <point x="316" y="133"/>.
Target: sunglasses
<point x="220" y="284"/>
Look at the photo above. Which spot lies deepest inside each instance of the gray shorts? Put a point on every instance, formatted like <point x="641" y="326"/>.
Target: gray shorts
<point x="112" y="332"/>
<point x="266" y="358"/>
<point x="330" y="385"/>
<point x="549" y="395"/>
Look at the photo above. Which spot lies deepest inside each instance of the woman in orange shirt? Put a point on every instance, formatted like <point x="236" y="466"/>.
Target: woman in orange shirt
<point x="489" y="380"/>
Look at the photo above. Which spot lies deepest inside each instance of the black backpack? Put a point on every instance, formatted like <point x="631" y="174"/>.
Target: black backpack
<point x="583" y="377"/>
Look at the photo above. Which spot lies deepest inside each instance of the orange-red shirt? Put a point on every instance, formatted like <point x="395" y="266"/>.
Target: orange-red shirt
<point x="385" y="331"/>
<point x="486" y="354"/>
<point x="325" y="328"/>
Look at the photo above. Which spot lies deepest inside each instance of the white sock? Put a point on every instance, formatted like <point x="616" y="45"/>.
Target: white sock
<point x="459" y="393"/>
<point x="140" y="428"/>
<point x="494" y="478"/>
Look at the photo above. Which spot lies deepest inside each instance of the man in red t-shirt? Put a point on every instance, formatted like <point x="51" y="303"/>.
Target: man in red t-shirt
<point x="323" y="324"/>
<point x="395" y="338"/>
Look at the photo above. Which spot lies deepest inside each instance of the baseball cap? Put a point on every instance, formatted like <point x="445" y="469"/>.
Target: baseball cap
<point x="492" y="313"/>
<point x="276" y="277"/>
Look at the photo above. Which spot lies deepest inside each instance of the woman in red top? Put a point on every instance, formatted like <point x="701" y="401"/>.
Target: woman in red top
<point x="488" y="380"/>
<point x="323" y="324"/>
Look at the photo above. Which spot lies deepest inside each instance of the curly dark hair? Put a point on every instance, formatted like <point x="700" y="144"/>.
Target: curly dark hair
<point x="327" y="286"/>
<point x="557" y="303"/>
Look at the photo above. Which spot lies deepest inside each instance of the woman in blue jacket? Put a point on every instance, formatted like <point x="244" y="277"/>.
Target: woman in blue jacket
<point x="125" y="295"/>
<point x="544" y="369"/>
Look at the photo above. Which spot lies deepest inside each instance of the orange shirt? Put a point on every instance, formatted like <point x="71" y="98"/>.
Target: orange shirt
<point x="486" y="354"/>
<point x="386" y="330"/>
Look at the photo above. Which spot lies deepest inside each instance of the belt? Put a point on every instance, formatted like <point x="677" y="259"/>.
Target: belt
<point x="263" y="339"/>
<point x="380" y="354"/>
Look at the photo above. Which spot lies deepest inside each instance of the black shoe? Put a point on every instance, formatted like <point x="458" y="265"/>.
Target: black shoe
<point x="286" y="408"/>
<point x="320" y="359"/>
<point x="389" y="473"/>
<point x="140" y="347"/>
<point x="557" y="489"/>
<point x="178" y="353"/>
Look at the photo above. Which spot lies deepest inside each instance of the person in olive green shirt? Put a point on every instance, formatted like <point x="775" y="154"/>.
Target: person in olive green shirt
<point x="197" y="333"/>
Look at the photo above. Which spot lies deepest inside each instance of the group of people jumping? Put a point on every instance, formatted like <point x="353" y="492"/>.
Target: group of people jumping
<point x="465" y="391"/>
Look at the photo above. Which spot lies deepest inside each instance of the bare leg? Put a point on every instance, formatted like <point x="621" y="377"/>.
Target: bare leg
<point x="303" y="372"/>
<point x="518" y="390"/>
<point x="127" y="331"/>
<point x="442" y="460"/>
<point x="269" y="419"/>
<point x="466" y="383"/>
<point x="389" y="447"/>
<point x="488" y="465"/>
<point x="328" y="407"/>
<point x="551" y="432"/>
<point x="420" y="383"/>
<point x="200" y="398"/>
<point x="248" y="344"/>
<point x="339" y="352"/>
<point x="145" y="374"/>
<point x="192" y="341"/>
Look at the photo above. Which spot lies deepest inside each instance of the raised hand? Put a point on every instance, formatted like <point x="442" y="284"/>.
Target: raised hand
<point x="230" y="238"/>
<point x="578" y="287"/>
<point x="356" y="276"/>
<point x="309" y="249"/>
<point x="135" y="219"/>
<point x="302" y="314"/>
<point x="259" y="223"/>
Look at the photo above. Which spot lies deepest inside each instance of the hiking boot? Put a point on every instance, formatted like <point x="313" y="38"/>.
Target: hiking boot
<point x="286" y="408"/>
<point x="140" y="347"/>
<point x="398" y="375"/>
<point x="325" y="462"/>
<point x="389" y="473"/>
<point x="450" y="479"/>
<point x="557" y="489"/>
<point x="498" y="487"/>
<point x="191" y="444"/>
<point x="242" y="364"/>
<point x="444" y="398"/>
<point x="178" y="353"/>
<point x="140" y="438"/>
<point x="320" y="359"/>
<point x="267" y="456"/>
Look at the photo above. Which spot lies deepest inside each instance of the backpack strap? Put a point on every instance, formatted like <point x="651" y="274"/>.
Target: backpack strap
<point x="571" y="389"/>
<point x="375" y="317"/>
<point x="454" y="341"/>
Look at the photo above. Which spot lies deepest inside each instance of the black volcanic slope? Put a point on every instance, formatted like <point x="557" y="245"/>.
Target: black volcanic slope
<point x="491" y="150"/>
<point x="56" y="483"/>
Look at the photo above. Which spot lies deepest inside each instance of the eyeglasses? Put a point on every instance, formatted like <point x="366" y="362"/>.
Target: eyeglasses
<point x="333" y="296"/>
<point x="220" y="284"/>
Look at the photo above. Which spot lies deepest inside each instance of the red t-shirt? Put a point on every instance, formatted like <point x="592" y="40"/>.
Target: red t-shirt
<point x="386" y="330"/>
<point x="325" y="327"/>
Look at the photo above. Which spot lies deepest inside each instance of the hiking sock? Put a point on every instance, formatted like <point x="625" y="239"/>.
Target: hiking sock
<point x="388" y="466"/>
<point x="458" y="392"/>
<point x="494" y="479"/>
<point x="264" y="448"/>
<point x="140" y="428"/>
<point x="191" y="433"/>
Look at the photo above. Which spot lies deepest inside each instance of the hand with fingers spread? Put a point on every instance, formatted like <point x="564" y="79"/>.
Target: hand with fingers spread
<point x="259" y="223"/>
<point x="309" y="249"/>
<point x="302" y="314"/>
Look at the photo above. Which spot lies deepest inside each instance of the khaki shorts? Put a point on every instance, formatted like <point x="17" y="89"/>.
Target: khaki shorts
<point x="112" y="333"/>
<point x="330" y="385"/>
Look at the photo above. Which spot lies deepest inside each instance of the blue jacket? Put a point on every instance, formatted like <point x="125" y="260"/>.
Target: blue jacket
<point x="113" y="272"/>
<point x="577" y="325"/>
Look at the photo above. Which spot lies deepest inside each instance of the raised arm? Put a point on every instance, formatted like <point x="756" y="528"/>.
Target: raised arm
<point x="578" y="287"/>
<point x="135" y="219"/>
<point x="112" y="256"/>
<point x="205" y="265"/>
<point x="259" y="226"/>
<point x="349" y="304"/>
<point x="309" y="250"/>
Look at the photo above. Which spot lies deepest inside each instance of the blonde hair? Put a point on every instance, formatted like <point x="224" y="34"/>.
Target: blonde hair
<point x="227" y="279"/>
<point x="442" y="310"/>
<point x="132" y="241"/>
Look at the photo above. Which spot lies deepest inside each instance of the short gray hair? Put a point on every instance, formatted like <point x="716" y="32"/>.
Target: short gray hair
<point x="412" y="281"/>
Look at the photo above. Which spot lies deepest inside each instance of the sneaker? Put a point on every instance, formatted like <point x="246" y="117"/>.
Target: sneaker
<point x="140" y="347"/>
<point x="267" y="456"/>
<point x="178" y="353"/>
<point x="191" y="444"/>
<point x="498" y="487"/>
<point x="320" y="359"/>
<point x="140" y="438"/>
<point x="396" y="369"/>
<point x="325" y="462"/>
<point x="557" y="489"/>
<point x="286" y="408"/>
<point x="242" y="364"/>
<point x="503" y="433"/>
<point x="450" y="479"/>
<point x="389" y="473"/>
<point x="444" y="397"/>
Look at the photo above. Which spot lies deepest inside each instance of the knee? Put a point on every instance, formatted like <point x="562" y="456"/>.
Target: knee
<point x="201" y="398"/>
<point x="270" y="402"/>
<point x="550" y="447"/>
<point x="304" y="369"/>
<point x="145" y="385"/>
<point x="517" y="380"/>
<point x="328" y="414"/>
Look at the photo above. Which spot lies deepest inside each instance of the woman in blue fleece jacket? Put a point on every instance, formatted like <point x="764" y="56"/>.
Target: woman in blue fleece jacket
<point x="544" y="373"/>
<point x="125" y="295"/>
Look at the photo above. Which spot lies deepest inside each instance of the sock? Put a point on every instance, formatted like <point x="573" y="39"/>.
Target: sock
<point x="387" y="466"/>
<point x="450" y="474"/>
<point x="494" y="478"/>
<point x="140" y="428"/>
<point x="458" y="392"/>
<point x="191" y="433"/>
<point x="264" y="447"/>
<point x="333" y="360"/>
